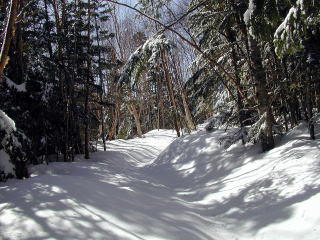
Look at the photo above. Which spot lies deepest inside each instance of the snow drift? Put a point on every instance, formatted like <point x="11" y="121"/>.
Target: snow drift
<point x="269" y="195"/>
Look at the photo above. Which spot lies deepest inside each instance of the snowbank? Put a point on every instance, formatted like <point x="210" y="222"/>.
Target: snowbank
<point x="269" y="195"/>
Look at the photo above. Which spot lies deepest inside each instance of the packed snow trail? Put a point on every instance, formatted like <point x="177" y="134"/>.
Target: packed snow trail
<point x="104" y="198"/>
<point x="160" y="187"/>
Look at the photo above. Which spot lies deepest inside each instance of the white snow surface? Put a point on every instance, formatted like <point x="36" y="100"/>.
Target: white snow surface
<point x="163" y="187"/>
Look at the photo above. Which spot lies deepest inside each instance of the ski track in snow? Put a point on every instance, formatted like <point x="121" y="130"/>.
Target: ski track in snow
<point x="161" y="187"/>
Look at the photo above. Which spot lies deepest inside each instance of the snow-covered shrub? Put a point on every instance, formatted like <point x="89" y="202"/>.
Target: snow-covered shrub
<point x="315" y="119"/>
<point x="222" y="110"/>
<point x="14" y="86"/>
<point x="234" y="136"/>
<point x="258" y="128"/>
<point x="6" y="166"/>
<point x="13" y="156"/>
<point x="216" y="121"/>
<point x="7" y="126"/>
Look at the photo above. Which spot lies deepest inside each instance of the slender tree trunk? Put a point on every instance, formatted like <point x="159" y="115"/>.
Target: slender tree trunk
<point x="240" y="104"/>
<point x="116" y="93"/>
<point x="317" y="93"/>
<point x="47" y="29"/>
<point x="86" y="104"/>
<point x="20" y="48"/>
<point x="160" y="113"/>
<point x="66" y="88"/>
<point x="8" y="35"/>
<point x="134" y="112"/>
<point x="115" y="114"/>
<point x="231" y="38"/>
<point x="103" y="126"/>
<point x="101" y="85"/>
<point x="75" y="139"/>
<point x="188" y="115"/>
<point x="170" y="92"/>
<point x="310" y="105"/>
<point x="264" y="108"/>
<point x="277" y="76"/>
<point x="16" y="53"/>
<point x="86" y="120"/>
<point x="292" y="101"/>
<point x="112" y="129"/>
<point x="60" y="27"/>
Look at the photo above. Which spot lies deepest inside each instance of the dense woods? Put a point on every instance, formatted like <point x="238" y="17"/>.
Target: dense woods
<point x="77" y="72"/>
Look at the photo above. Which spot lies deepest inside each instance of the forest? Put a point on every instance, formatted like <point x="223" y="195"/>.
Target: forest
<point x="78" y="72"/>
<point x="159" y="119"/>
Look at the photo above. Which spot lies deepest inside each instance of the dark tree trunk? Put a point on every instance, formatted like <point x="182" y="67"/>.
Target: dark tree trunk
<point x="309" y="105"/>
<point x="9" y="33"/>
<point x="86" y="104"/>
<point x="264" y="108"/>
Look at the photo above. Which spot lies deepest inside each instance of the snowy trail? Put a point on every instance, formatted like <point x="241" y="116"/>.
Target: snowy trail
<point x="108" y="198"/>
<point x="160" y="187"/>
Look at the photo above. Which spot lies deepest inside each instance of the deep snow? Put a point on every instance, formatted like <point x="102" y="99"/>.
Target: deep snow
<point x="162" y="187"/>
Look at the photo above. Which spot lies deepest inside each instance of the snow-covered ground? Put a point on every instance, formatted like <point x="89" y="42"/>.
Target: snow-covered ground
<point x="161" y="187"/>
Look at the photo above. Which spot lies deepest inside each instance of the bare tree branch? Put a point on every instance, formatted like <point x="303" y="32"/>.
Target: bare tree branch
<point x="212" y="61"/>
<point x="20" y="15"/>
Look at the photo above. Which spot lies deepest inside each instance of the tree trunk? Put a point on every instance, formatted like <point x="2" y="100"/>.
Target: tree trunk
<point x="16" y="53"/>
<point x="310" y="105"/>
<point x="66" y="99"/>
<point x="240" y="105"/>
<point x="101" y="85"/>
<point x="8" y="35"/>
<point x="86" y="104"/>
<point x="259" y="79"/>
<point x="134" y="112"/>
<point x="317" y="93"/>
<point x="160" y="120"/>
<point x="188" y="115"/>
<point x="115" y="118"/>
<point x="49" y="43"/>
<point x="60" y="26"/>
<point x="113" y="88"/>
<point x="170" y="92"/>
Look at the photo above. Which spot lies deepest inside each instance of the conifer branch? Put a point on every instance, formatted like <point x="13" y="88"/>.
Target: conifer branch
<point x="212" y="61"/>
